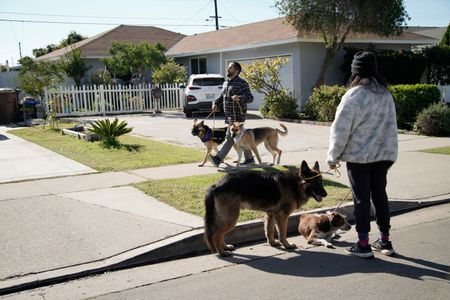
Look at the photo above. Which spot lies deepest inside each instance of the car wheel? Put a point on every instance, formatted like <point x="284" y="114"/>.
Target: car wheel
<point x="188" y="113"/>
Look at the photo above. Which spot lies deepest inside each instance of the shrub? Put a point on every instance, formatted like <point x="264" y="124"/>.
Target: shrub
<point x="434" y="120"/>
<point x="110" y="131"/>
<point x="101" y="77"/>
<point x="323" y="102"/>
<point x="170" y="72"/>
<point x="281" y="104"/>
<point x="438" y="69"/>
<point x="410" y="100"/>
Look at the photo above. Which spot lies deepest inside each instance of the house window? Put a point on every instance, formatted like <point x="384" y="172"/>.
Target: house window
<point x="198" y="66"/>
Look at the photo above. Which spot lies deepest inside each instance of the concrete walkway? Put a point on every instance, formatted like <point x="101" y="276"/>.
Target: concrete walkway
<point x="57" y="228"/>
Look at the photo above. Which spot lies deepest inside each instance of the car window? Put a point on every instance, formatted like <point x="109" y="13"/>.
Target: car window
<point x="208" y="81"/>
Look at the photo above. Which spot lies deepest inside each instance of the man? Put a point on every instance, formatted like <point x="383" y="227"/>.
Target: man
<point x="234" y="98"/>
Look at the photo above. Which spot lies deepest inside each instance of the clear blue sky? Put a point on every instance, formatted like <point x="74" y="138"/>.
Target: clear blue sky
<point x="184" y="16"/>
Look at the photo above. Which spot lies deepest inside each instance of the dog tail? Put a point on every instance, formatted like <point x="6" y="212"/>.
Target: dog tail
<point x="283" y="133"/>
<point x="210" y="217"/>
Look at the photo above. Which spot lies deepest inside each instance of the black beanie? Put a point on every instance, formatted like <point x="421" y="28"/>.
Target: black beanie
<point x="364" y="64"/>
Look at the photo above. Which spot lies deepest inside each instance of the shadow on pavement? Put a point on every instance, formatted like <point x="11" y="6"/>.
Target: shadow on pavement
<point x="326" y="264"/>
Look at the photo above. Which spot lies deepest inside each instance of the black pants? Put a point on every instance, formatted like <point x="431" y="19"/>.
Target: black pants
<point x="369" y="181"/>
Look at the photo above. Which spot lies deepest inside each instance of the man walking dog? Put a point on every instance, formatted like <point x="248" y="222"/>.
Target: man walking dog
<point x="234" y="98"/>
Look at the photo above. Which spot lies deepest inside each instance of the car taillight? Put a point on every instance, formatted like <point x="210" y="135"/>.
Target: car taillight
<point x="193" y="87"/>
<point x="190" y="98"/>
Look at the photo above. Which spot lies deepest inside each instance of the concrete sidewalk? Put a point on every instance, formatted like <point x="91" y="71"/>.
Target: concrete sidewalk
<point x="66" y="227"/>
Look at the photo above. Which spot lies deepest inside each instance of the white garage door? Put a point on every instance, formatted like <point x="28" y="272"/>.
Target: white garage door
<point x="286" y="76"/>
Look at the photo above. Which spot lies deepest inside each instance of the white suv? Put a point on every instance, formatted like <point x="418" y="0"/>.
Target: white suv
<point x="201" y="91"/>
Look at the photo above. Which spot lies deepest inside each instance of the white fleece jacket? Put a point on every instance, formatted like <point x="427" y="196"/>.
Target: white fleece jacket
<point x="365" y="127"/>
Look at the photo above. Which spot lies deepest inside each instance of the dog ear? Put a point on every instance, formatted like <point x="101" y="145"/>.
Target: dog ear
<point x="316" y="166"/>
<point x="201" y="123"/>
<point x="195" y="121"/>
<point x="304" y="169"/>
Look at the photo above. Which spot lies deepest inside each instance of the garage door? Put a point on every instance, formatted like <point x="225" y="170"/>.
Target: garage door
<point x="286" y="77"/>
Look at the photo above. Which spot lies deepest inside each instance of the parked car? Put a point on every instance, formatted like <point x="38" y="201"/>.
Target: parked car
<point x="201" y="91"/>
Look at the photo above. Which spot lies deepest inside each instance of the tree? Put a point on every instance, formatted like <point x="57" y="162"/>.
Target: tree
<point x="74" y="66"/>
<point x="170" y="72"/>
<point x="264" y="77"/>
<point x="72" y="38"/>
<point x="134" y="59"/>
<point x="332" y="20"/>
<point x="446" y="38"/>
<point x="35" y="77"/>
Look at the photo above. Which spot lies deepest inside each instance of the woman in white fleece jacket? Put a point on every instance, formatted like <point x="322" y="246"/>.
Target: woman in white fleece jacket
<point x="364" y="134"/>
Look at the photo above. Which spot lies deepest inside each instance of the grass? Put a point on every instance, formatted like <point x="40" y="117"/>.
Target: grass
<point x="187" y="194"/>
<point x="441" y="150"/>
<point x="134" y="152"/>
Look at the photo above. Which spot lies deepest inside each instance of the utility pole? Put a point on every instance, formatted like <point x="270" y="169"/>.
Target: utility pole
<point x="216" y="16"/>
<point x="20" y="51"/>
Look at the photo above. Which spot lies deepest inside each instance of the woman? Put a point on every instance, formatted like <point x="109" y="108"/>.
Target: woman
<point x="364" y="134"/>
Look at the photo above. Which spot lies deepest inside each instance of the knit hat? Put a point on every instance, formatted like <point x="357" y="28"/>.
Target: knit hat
<point x="364" y="64"/>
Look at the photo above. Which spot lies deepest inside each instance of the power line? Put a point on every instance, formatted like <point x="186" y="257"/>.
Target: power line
<point x="79" y="16"/>
<point x="95" y="23"/>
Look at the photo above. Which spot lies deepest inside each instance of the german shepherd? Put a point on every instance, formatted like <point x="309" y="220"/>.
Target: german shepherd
<point x="277" y="194"/>
<point x="249" y="139"/>
<point x="211" y="138"/>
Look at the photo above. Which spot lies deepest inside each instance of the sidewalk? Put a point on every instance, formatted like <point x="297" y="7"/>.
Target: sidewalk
<point x="66" y="227"/>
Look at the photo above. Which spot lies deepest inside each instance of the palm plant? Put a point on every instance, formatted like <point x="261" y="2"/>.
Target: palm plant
<point x="110" y="131"/>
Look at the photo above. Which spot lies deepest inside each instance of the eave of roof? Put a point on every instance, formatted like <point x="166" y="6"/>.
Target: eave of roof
<point x="272" y="32"/>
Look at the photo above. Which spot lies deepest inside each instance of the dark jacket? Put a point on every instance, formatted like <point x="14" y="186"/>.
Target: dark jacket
<point x="235" y="111"/>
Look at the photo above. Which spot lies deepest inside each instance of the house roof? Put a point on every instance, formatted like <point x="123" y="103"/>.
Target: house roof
<point x="432" y="32"/>
<point x="98" y="45"/>
<point x="270" y="32"/>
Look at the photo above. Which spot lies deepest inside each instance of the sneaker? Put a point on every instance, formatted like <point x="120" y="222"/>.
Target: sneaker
<point x="359" y="251"/>
<point x="383" y="247"/>
<point x="214" y="160"/>
<point x="249" y="161"/>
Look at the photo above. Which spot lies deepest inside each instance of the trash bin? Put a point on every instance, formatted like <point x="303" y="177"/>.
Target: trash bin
<point x="29" y="107"/>
<point x="9" y="108"/>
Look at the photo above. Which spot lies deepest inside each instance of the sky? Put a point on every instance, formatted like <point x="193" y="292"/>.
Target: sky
<point x="53" y="20"/>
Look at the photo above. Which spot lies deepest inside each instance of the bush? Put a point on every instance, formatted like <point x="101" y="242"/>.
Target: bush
<point x="434" y="120"/>
<point x="323" y="102"/>
<point x="410" y="100"/>
<point x="110" y="131"/>
<point x="101" y="77"/>
<point x="438" y="59"/>
<point x="281" y="104"/>
<point x="169" y="72"/>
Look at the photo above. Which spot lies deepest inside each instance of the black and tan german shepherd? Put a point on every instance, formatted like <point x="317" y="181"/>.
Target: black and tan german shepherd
<point x="276" y="193"/>
<point x="211" y="137"/>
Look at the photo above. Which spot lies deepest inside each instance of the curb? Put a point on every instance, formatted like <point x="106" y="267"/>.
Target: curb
<point x="186" y="244"/>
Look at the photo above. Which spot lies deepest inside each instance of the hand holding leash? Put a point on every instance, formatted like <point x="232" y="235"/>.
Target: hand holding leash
<point x="235" y="98"/>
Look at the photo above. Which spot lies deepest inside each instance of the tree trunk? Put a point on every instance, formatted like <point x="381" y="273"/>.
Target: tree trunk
<point x="329" y="56"/>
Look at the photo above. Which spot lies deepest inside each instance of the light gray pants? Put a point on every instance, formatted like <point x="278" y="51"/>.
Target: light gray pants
<point x="229" y="142"/>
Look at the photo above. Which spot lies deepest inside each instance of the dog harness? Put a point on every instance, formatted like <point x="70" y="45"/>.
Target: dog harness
<point x="207" y="136"/>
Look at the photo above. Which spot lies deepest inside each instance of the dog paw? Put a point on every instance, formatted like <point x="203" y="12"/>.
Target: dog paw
<point x="290" y="246"/>
<point x="275" y="243"/>
<point x="225" y="253"/>
<point x="201" y="165"/>
<point x="329" y="246"/>
<point x="229" y="247"/>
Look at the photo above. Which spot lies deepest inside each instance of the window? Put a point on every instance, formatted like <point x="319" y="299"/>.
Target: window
<point x="210" y="81"/>
<point x="198" y="66"/>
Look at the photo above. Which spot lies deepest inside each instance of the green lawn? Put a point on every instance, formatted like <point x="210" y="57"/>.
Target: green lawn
<point x="134" y="154"/>
<point x="188" y="193"/>
<point x="441" y="150"/>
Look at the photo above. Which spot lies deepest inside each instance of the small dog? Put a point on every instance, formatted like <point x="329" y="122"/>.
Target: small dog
<point x="249" y="139"/>
<point x="319" y="229"/>
<point x="211" y="138"/>
<point x="278" y="194"/>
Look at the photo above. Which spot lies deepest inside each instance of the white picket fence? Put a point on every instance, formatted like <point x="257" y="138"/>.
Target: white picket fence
<point x="111" y="99"/>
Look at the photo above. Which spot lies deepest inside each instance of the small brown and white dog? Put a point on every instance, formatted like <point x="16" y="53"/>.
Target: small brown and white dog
<point x="211" y="138"/>
<point x="319" y="229"/>
<point x="249" y="139"/>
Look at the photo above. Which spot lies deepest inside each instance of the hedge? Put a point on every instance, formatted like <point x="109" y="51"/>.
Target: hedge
<point x="409" y="100"/>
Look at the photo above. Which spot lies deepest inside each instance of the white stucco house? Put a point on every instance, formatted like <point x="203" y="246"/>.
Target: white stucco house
<point x="211" y="52"/>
